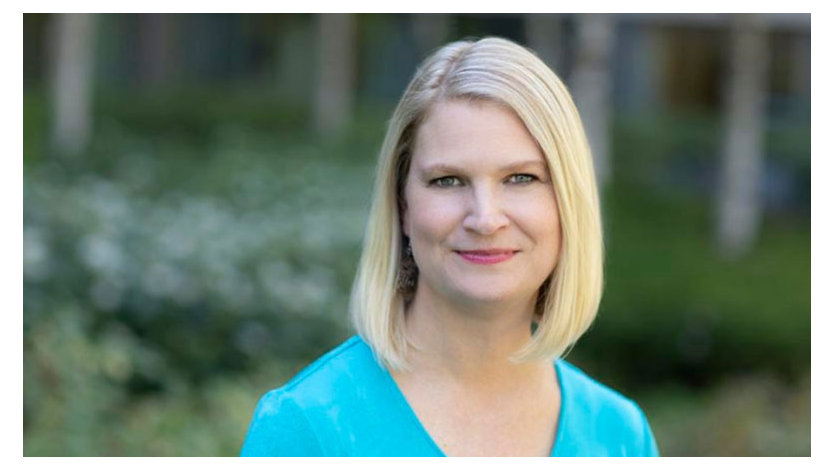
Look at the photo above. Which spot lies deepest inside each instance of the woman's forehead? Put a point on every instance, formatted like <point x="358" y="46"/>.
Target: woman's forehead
<point x="481" y="133"/>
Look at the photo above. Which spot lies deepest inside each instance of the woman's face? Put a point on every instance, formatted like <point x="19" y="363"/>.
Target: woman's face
<point x="480" y="209"/>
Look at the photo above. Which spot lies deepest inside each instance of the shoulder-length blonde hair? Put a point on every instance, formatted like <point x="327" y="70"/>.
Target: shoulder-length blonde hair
<point x="499" y="71"/>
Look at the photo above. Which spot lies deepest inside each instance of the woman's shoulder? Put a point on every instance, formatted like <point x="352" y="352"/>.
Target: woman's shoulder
<point x="348" y="362"/>
<point x="296" y="418"/>
<point x="351" y="354"/>
<point x="616" y="420"/>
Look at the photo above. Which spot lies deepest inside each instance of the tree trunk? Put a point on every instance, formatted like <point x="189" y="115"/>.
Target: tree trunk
<point x="591" y="84"/>
<point x="157" y="47"/>
<point x="71" y="41"/>
<point x="739" y="194"/>
<point x="336" y="75"/>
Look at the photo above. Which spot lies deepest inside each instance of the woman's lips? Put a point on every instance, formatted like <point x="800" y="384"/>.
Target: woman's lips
<point x="486" y="256"/>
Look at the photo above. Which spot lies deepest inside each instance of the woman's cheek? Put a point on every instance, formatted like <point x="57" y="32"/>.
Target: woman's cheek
<point x="438" y="214"/>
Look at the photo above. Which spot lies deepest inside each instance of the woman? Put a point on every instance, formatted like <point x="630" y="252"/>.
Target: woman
<point x="482" y="265"/>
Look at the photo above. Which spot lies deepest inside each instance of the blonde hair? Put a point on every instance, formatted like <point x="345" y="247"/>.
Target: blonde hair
<point x="499" y="71"/>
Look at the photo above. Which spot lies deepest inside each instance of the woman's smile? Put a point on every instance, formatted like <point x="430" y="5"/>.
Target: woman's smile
<point x="494" y="256"/>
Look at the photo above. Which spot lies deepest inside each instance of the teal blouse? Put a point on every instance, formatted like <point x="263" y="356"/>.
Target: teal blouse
<point x="346" y="404"/>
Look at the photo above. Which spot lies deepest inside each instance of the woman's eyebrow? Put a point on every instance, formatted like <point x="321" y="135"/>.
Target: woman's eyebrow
<point x="442" y="168"/>
<point x="524" y="164"/>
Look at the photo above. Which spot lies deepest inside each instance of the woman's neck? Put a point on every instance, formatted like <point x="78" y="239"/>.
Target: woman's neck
<point x="469" y="343"/>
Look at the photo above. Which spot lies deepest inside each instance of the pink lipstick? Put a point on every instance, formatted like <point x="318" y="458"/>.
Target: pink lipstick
<point x="486" y="256"/>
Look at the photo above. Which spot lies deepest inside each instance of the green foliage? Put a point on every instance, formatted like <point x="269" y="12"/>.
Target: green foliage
<point x="197" y="111"/>
<point x="34" y="127"/>
<point x="74" y="404"/>
<point x="676" y="309"/>
<point x="751" y="415"/>
<point x="672" y="304"/>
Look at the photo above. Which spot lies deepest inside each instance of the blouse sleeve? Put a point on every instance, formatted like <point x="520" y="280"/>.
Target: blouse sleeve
<point x="280" y="428"/>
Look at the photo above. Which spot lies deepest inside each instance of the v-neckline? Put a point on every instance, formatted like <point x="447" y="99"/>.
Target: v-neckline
<point x="412" y="415"/>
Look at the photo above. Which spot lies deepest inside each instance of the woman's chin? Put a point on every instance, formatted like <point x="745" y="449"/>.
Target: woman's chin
<point x="477" y="292"/>
<point x="486" y="294"/>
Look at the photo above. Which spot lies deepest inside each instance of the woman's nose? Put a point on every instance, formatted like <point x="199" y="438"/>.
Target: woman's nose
<point x="485" y="214"/>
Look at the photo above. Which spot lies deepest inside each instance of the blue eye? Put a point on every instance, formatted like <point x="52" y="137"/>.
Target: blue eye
<point x="522" y="178"/>
<point x="445" y="182"/>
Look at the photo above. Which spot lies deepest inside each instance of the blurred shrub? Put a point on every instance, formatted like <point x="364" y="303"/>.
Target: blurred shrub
<point x="252" y="255"/>
<point x="146" y="278"/>
<point x="75" y="403"/>
<point x="673" y="309"/>
<point x="754" y="414"/>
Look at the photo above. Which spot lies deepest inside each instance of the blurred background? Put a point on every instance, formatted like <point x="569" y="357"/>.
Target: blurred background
<point x="196" y="187"/>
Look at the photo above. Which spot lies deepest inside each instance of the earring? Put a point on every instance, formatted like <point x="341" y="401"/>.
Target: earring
<point x="407" y="277"/>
